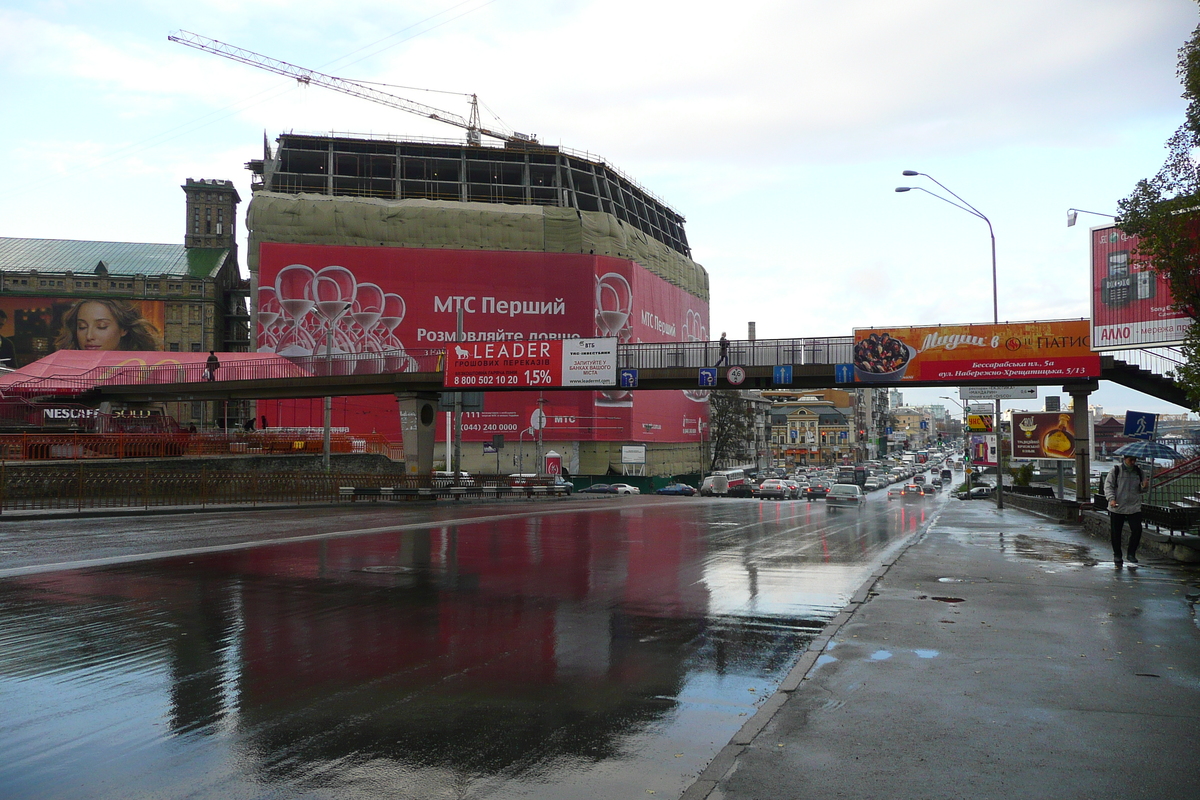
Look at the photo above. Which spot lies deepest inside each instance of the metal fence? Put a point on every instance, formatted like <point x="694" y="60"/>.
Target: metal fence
<point x="765" y="353"/>
<point x="87" y="446"/>
<point x="94" y="486"/>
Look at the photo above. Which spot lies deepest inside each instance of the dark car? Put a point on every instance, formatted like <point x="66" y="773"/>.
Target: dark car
<point x="679" y="489"/>
<point x="815" y="491"/>
<point x="978" y="493"/>
<point x="598" y="488"/>
<point x="930" y="489"/>
<point x="911" y="491"/>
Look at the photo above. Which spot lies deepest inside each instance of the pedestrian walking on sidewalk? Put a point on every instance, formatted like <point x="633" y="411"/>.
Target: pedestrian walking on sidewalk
<point x="1124" y="488"/>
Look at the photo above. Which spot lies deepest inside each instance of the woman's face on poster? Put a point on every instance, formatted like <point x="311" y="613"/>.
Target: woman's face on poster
<point x="96" y="329"/>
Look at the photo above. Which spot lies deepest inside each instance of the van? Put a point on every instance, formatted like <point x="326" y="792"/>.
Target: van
<point x="443" y="478"/>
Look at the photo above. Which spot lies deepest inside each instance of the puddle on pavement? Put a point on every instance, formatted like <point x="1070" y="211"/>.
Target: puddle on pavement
<point x="1037" y="548"/>
<point x="596" y="644"/>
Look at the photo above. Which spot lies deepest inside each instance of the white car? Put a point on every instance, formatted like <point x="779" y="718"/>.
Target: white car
<point x="625" y="488"/>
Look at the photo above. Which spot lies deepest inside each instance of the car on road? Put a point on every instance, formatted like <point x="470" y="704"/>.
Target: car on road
<point x="815" y="491"/>
<point x="911" y="491"/>
<point x="598" y="488"/>
<point x="929" y="489"/>
<point x="678" y="489"/>
<point x="773" y="488"/>
<point x="977" y="493"/>
<point x="895" y="491"/>
<point x="845" y="494"/>
<point x="624" y="488"/>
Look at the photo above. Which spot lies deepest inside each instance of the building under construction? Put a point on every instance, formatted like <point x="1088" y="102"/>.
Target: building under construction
<point x="432" y="220"/>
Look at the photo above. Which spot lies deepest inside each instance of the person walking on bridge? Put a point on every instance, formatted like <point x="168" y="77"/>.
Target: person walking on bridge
<point x="211" y="365"/>
<point x="1124" y="488"/>
<point x="724" y="359"/>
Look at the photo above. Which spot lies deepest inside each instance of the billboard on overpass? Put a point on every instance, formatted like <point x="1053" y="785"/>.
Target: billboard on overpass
<point x="956" y="354"/>
<point x="1132" y="305"/>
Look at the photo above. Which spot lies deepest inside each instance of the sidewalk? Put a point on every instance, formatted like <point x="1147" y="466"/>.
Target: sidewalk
<point x="999" y="656"/>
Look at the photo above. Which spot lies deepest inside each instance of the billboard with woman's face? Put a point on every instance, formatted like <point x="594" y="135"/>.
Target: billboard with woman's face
<point x="34" y="327"/>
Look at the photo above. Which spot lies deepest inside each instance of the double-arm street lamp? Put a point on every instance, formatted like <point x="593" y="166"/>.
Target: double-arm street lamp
<point x="963" y="205"/>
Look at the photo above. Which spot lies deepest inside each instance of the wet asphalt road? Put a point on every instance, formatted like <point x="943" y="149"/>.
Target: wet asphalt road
<point x="574" y="648"/>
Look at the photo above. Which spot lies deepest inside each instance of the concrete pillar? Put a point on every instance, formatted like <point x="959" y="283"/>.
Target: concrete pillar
<point x="1083" y="438"/>
<point x="418" y="413"/>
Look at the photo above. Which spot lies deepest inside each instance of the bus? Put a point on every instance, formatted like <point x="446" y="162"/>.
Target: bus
<point x="856" y="475"/>
<point x="725" y="483"/>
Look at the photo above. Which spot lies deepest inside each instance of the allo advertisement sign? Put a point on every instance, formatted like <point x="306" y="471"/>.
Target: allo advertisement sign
<point x="1012" y="351"/>
<point x="1132" y="305"/>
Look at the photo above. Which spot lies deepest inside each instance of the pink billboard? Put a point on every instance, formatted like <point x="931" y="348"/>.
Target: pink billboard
<point x="1131" y="303"/>
<point x="390" y="299"/>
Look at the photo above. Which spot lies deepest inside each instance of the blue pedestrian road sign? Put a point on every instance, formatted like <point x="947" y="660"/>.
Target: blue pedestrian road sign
<point x="1139" y="424"/>
<point x="708" y="376"/>
<point x="782" y="375"/>
<point x="629" y="378"/>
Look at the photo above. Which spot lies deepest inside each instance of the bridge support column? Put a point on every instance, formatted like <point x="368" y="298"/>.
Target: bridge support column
<point x="1083" y="438"/>
<point x="418" y="415"/>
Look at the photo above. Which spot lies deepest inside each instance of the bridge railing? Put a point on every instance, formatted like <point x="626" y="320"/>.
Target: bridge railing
<point x="233" y="368"/>
<point x="759" y="353"/>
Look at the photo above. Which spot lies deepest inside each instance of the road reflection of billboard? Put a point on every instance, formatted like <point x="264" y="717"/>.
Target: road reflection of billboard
<point x="467" y="652"/>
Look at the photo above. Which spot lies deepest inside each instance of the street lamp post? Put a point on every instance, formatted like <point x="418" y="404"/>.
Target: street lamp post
<point x="973" y="211"/>
<point x="966" y="445"/>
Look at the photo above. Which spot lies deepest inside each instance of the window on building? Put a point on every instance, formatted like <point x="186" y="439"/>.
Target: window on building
<point x="196" y="347"/>
<point x="173" y="347"/>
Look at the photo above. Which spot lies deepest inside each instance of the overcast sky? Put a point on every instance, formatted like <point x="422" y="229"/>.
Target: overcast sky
<point x="779" y="129"/>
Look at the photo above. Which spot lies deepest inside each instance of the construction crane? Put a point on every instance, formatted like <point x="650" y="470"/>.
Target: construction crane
<point x="310" y="77"/>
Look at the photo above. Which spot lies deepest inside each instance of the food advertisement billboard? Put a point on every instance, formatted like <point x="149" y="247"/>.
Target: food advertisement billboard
<point x="1016" y="351"/>
<point x="1131" y="303"/>
<point x="394" y="299"/>
<point x="34" y="327"/>
<point x="1043" y="435"/>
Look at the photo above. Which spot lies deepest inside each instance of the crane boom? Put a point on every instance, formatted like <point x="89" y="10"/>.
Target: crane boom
<point x="312" y="77"/>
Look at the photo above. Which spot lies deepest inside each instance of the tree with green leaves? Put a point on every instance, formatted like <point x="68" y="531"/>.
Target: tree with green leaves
<point x="1164" y="211"/>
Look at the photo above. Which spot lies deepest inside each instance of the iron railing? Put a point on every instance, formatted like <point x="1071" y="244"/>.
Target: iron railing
<point x="91" y="486"/>
<point x="273" y="441"/>
<point x="748" y="353"/>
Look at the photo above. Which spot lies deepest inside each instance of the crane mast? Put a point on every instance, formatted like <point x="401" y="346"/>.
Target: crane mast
<point x="310" y="77"/>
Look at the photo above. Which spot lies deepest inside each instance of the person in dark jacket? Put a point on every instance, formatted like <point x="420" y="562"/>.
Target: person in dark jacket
<point x="211" y="366"/>
<point x="724" y="359"/>
<point x="1124" y="488"/>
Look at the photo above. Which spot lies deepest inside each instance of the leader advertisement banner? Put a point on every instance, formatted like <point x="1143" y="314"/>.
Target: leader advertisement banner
<point x="1010" y="351"/>
<point x="538" y="364"/>
<point x="393" y="300"/>
<point x="1043" y="435"/>
<point x="1131" y="303"/>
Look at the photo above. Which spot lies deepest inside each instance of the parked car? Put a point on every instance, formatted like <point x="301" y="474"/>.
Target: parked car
<point x="678" y="489"/>
<point x="977" y="493"/>
<point x="815" y="491"/>
<point x="562" y="484"/>
<point x="598" y="488"/>
<point x="773" y="488"/>
<point x="845" y="494"/>
<point x="624" y="488"/>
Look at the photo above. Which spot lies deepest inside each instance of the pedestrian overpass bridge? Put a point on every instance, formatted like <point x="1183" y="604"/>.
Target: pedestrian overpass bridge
<point x="660" y="366"/>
